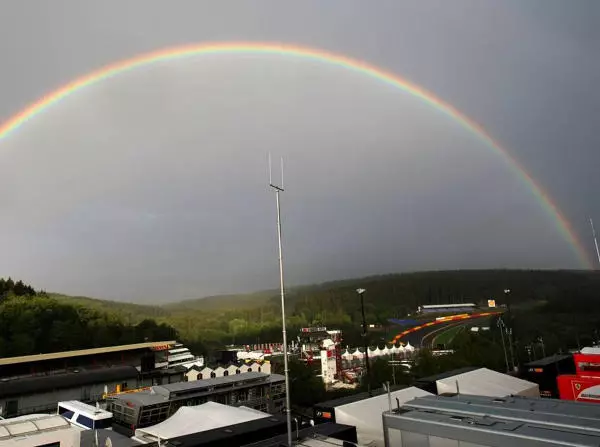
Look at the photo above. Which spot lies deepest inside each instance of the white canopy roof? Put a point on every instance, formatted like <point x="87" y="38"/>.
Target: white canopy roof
<point x="591" y="350"/>
<point x="199" y="418"/>
<point x="365" y="414"/>
<point x="485" y="382"/>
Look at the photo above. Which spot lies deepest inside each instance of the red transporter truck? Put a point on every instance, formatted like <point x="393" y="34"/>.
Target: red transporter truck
<point x="584" y="386"/>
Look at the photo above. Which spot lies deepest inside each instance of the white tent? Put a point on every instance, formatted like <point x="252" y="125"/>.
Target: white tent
<point x="199" y="418"/>
<point x="232" y="370"/>
<point x="485" y="382"/>
<point x="409" y="348"/>
<point x="357" y="354"/>
<point x="206" y="373"/>
<point x="366" y="414"/>
<point x="377" y="352"/>
<point x="347" y="356"/>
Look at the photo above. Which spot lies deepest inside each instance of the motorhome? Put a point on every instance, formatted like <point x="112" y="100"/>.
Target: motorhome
<point x="84" y="415"/>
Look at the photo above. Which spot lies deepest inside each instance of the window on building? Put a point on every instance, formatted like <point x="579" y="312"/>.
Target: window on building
<point x="225" y="373"/>
<point x="237" y="371"/>
<point x="85" y="421"/>
<point x="259" y="370"/>
<point x="67" y="414"/>
<point x="200" y="376"/>
<point x="249" y="370"/>
<point x="213" y="375"/>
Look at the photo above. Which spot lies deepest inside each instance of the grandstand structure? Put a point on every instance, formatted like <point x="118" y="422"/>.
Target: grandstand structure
<point x="446" y="308"/>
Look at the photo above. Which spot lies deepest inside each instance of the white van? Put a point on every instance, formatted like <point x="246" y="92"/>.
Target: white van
<point x="84" y="415"/>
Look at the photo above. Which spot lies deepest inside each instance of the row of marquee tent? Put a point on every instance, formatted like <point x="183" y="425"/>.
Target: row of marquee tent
<point x="377" y="352"/>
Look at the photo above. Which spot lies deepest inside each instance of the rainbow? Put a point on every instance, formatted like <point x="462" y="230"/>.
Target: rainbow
<point x="117" y="68"/>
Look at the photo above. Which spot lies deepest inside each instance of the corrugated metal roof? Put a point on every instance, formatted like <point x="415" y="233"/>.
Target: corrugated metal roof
<point x="522" y="409"/>
<point x="162" y="393"/>
<point x="182" y="387"/>
<point x="82" y="352"/>
<point x="457" y="426"/>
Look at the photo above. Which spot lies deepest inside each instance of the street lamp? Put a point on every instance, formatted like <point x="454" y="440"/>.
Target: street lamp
<point x="361" y="293"/>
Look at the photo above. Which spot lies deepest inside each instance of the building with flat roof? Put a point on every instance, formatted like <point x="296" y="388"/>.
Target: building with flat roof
<point x="488" y="421"/>
<point x="264" y="392"/>
<point x="140" y="355"/>
<point x="34" y="383"/>
<point x="36" y="394"/>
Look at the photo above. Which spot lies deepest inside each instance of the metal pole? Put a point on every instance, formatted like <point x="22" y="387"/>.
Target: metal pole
<point x="501" y="325"/>
<point x="595" y="240"/>
<point x="393" y="369"/>
<point x="510" y="345"/>
<point x="288" y="409"/>
<point x="364" y="335"/>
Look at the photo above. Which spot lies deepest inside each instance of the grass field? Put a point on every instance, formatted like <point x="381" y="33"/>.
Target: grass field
<point x="446" y="337"/>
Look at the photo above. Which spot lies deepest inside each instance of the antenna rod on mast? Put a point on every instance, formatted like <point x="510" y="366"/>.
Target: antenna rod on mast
<point x="595" y="240"/>
<point x="288" y="409"/>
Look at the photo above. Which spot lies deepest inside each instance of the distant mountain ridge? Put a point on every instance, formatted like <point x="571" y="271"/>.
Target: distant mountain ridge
<point x="429" y="287"/>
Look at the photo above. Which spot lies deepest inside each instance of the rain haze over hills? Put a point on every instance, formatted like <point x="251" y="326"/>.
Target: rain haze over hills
<point x="152" y="185"/>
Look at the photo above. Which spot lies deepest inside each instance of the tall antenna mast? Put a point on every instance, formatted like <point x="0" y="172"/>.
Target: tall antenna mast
<point x="288" y="410"/>
<point x="595" y="240"/>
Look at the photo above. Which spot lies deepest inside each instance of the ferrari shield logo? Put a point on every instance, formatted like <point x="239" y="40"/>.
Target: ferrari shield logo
<point x="578" y="386"/>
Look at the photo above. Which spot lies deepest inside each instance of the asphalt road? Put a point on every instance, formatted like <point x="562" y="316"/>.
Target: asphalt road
<point x="424" y="337"/>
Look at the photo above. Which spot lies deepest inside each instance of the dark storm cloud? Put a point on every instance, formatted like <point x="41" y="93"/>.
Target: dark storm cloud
<point x="151" y="185"/>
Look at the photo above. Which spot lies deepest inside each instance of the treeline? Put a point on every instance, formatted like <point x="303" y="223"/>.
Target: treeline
<point x="34" y="323"/>
<point x="9" y="287"/>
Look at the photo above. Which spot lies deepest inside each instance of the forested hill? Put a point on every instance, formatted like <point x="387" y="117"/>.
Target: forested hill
<point x="398" y="294"/>
<point x="336" y="304"/>
<point x="34" y="322"/>
<point x="39" y="322"/>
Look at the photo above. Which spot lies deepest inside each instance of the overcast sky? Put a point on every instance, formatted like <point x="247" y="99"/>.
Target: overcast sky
<point x="151" y="186"/>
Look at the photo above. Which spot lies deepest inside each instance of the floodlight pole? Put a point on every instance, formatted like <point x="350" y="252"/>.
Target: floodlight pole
<point x="288" y="409"/>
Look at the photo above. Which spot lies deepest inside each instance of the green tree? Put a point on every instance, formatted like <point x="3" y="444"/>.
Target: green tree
<point x="306" y="389"/>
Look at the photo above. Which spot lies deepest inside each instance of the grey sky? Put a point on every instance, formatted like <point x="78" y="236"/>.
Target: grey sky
<point x="151" y="186"/>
